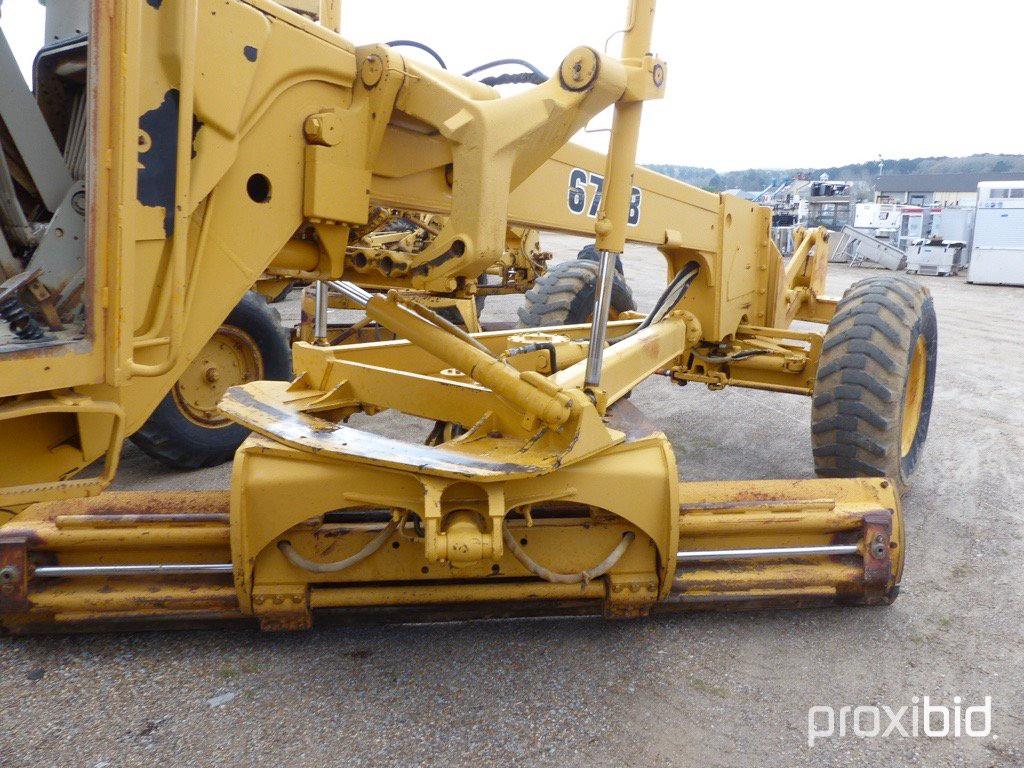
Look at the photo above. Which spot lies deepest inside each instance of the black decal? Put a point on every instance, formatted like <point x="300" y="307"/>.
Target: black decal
<point x="158" y="171"/>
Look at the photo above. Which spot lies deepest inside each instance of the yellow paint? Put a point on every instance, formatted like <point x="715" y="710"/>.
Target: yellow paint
<point x="301" y="147"/>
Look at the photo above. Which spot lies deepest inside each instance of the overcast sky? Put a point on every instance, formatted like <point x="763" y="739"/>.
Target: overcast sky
<point x="751" y="83"/>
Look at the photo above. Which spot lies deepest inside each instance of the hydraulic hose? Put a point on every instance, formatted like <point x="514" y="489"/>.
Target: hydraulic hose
<point x="421" y="46"/>
<point x="669" y="298"/>
<point x="503" y="62"/>
<point x="339" y="565"/>
<point x="567" y="578"/>
<point x="532" y="77"/>
<point x="733" y="358"/>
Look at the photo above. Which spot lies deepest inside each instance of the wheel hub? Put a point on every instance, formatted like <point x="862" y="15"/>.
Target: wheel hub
<point x="231" y="357"/>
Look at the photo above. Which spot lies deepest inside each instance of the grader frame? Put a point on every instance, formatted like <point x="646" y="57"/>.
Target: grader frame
<point x="541" y="487"/>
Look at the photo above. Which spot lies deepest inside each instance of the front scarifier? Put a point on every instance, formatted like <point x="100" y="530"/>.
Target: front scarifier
<point x="542" y="488"/>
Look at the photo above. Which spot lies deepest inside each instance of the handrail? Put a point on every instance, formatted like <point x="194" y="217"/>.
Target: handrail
<point x="177" y="268"/>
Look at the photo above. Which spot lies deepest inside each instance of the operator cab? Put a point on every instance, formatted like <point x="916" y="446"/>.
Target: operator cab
<point x="44" y="275"/>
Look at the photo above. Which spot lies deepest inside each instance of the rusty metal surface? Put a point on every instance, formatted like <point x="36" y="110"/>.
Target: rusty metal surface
<point x="877" y="551"/>
<point x="773" y="504"/>
<point x="130" y="528"/>
<point x="162" y="505"/>
<point x="13" y="573"/>
<point x="129" y="520"/>
<point x="13" y="285"/>
<point x="627" y="418"/>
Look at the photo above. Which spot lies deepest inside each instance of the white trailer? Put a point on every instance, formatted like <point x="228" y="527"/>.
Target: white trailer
<point x="997" y="255"/>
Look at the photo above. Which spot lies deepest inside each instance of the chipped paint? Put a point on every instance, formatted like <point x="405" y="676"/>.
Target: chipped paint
<point x="319" y="436"/>
<point x="157" y="165"/>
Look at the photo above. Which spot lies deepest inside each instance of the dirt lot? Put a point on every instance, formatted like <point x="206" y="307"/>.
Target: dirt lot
<point x="710" y="689"/>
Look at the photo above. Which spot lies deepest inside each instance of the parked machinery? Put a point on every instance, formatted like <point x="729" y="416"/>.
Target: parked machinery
<point x="224" y="132"/>
<point x="944" y="251"/>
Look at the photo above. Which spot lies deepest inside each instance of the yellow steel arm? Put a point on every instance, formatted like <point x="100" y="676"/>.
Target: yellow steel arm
<point x="293" y="127"/>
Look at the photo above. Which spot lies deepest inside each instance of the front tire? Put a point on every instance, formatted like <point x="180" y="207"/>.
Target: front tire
<point x="875" y="382"/>
<point x="187" y="430"/>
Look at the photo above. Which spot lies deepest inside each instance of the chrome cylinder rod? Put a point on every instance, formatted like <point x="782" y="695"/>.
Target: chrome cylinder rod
<point x="320" y="313"/>
<point x="599" y="325"/>
<point x="754" y="554"/>
<point x="350" y="291"/>
<point x="156" y="569"/>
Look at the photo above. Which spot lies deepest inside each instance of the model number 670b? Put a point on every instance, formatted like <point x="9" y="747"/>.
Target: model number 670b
<point x="585" y="189"/>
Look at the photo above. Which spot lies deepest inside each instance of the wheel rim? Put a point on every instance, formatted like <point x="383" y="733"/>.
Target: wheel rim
<point x="913" y="398"/>
<point x="231" y="357"/>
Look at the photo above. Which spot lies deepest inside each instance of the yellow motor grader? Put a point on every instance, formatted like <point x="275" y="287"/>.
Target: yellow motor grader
<point x="225" y="139"/>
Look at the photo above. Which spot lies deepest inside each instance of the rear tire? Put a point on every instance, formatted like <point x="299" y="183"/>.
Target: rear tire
<point x="875" y="382"/>
<point x="179" y="433"/>
<point x="564" y="295"/>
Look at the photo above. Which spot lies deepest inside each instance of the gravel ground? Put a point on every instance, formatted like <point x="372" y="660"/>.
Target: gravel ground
<point x="728" y="689"/>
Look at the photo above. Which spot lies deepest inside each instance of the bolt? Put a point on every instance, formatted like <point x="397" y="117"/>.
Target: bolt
<point x="372" y="70"/>
<point x="878" y="546"/>
<point x="212" y="374"/>
<point x="658" y="75"/>
<point x="9" y="573"/>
